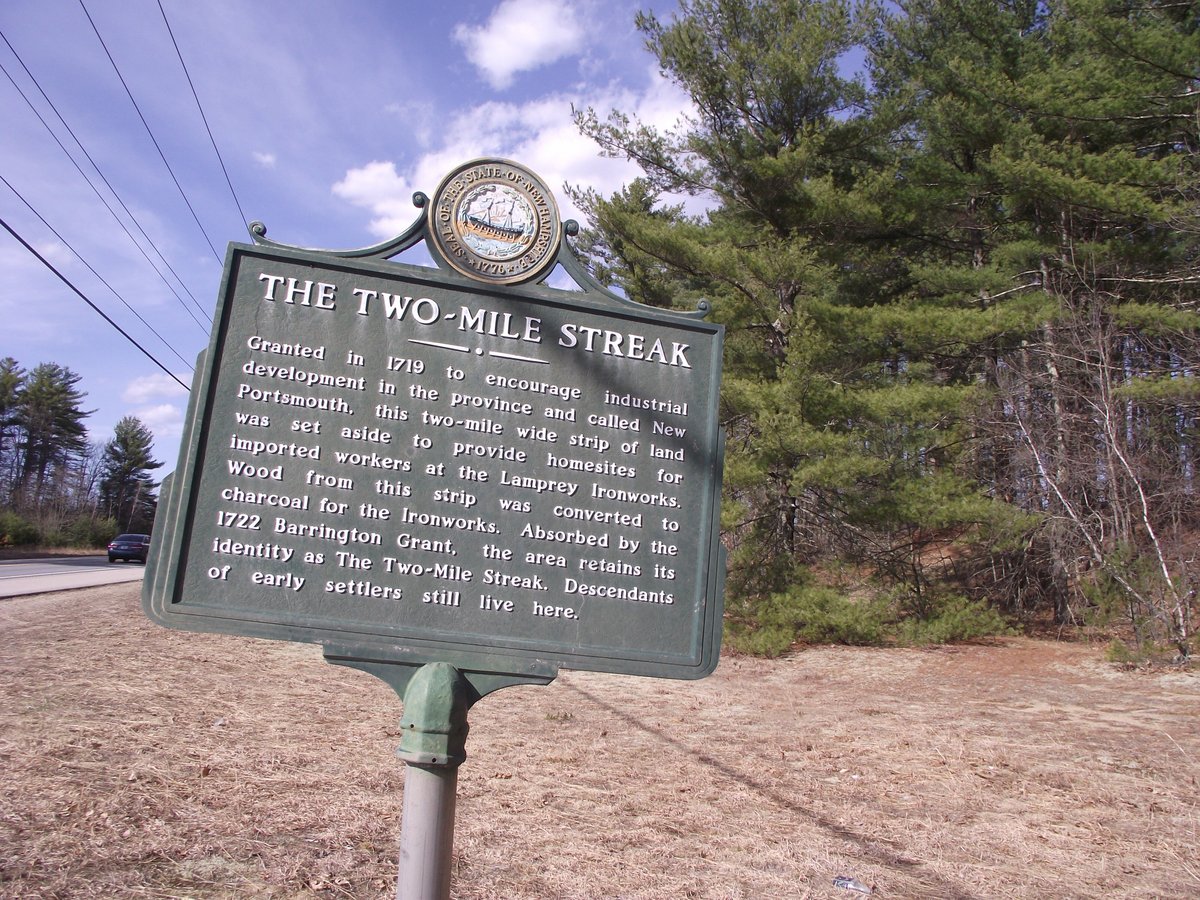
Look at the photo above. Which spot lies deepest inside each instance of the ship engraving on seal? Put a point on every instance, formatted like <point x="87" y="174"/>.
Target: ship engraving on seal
<point x="495" y="221"/>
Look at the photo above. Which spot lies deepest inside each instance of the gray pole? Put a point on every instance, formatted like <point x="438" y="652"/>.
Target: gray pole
<point x="433" y="745"/>
<point x="427" y="833"/>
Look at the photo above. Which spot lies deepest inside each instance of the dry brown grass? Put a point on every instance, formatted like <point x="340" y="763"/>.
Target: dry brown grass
<point x="140" y="762"/>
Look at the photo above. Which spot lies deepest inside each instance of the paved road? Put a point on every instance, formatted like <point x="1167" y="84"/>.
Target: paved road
<point x="38" y="576"/>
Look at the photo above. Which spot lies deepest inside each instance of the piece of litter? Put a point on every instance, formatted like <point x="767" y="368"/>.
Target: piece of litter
<point x="851" y="884"/>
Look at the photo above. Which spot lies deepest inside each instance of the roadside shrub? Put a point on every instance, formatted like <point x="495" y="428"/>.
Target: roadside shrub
<point x="1144" y="617"/>
<point x="16" y="531"/>
<point x="88" y="532"/>
<point x="768" y="641"/>
<point x="1118" y="653"/>
<point x="81" y="531"/>
<point x="809" y="613"/>
<point x="954" y="618"/>
<point x="1147" y="654"/>
<point x="831" y="617"/>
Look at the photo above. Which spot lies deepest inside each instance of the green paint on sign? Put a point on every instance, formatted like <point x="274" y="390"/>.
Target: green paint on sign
<point x="424" y="468"/>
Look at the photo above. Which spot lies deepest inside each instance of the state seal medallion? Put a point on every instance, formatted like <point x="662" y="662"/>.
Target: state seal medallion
<point x="495" y="221"/>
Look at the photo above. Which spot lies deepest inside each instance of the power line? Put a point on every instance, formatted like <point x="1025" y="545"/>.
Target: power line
<point x="63" y="278"/>
<point x="79" y="256"/>
<point x="203" y="117"/>
<point x="104" y="179"/>
<point x="153" y="139"/>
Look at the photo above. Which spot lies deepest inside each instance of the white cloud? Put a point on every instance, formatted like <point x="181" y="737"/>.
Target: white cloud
<point x="421" y="119"/>
<point x="153" y="387"/>
<point x="521" y="35"/>
<point x="165" y="421"/>
<point x="266" y="160"/>
<point x="539" y="134"/>
<point x="378" y="187"/>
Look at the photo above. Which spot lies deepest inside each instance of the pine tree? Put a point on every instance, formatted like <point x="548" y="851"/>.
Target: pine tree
<point x="12" y="381"/>
<point x="126" y="486"/>
<point x="52" y="431"/>
<point x="1054" y="157"/>
<point x="841" y="432"/>
<point x="959" y="297"/>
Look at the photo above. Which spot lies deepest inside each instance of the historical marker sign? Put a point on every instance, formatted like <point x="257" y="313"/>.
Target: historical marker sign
<point x="458" y="466"/>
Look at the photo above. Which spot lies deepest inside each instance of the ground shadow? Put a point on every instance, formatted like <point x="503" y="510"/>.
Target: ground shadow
<point x="882" y="852"/>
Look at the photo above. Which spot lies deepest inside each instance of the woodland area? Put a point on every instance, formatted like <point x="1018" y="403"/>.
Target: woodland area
<point x="960" y="292"/>
<point x="56" y="488"/>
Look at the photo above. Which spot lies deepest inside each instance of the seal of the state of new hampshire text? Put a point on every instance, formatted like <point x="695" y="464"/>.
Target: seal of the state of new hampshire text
<point x="495" y="221"/>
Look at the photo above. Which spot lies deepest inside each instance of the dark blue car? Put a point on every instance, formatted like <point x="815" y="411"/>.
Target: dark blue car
<point x="129" y="547"/>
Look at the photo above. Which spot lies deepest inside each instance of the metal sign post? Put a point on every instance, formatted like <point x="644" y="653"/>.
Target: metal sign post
<point x="433" y="746"/>
<point x="456" y="479"/>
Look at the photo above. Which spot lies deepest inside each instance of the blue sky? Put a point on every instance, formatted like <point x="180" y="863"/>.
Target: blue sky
<point x="327" y="115"/>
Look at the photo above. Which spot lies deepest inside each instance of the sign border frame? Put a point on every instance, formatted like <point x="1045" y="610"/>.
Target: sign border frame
<point x="165" y="570"/>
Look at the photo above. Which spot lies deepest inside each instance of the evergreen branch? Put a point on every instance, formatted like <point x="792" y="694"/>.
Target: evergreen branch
<point x="1015" y="290"/>
<point x="1166" y="279"/>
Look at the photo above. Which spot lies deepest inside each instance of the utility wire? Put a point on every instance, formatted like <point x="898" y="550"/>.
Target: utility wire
<point x="114" y="291"/>
<point x="203" y="117"/>
<point x="107" y="184"/>
<point x="153" y="139"/>
<point x="45" y="262"/>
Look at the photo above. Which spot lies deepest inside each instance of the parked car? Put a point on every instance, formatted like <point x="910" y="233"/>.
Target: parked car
<point x="129" y="547"/>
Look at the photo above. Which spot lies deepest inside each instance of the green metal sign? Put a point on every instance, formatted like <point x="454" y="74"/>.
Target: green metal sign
<point x="460" y="464"/>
